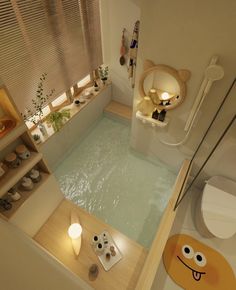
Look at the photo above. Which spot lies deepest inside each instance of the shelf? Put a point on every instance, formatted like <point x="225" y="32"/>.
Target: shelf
<point x="24" y="196"/>
<point x="74" y="110"/>
<point x="150" y="121"/>
<point x="15" y="174"/>
<point x="12" y="135"/>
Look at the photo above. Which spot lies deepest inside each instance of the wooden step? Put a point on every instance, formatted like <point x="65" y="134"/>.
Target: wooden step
<point x="119" y="110"/>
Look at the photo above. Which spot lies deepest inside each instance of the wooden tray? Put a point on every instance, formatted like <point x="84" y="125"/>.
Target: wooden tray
<point x="107" y="265"/>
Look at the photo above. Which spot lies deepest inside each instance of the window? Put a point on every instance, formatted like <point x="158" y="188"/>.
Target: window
<point x="84" y="81"/>
<point x="60" y="38"/>
<point x="46" y="111"/>
<point x="59" y="100"/>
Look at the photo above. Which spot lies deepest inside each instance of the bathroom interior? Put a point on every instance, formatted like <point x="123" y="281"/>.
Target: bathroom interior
<point x="117" y="144"/>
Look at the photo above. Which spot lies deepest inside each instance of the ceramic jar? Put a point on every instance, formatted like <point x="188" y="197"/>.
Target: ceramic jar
<point x="12" y="160"/>
<point x="5" y="204"/>
<point x="146" y="106"/>
<point x="27" y="183"/>
<point x="99" y="248"/>
<point x="13" y="194"/>
<point x="98" y="244"/>
<point x="95" y="240"/>
<point x="23" y="152"/>
<point x="35" y="175"/>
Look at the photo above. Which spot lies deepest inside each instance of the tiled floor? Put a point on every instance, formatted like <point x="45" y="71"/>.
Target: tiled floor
<point x="184" y="223"/>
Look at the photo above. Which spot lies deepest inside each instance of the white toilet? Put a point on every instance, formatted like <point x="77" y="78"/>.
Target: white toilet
<point x="215" y="214"/>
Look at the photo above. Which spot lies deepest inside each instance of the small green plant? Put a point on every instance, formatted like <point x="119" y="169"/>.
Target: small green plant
<point x="56" y="119"/>
<point x="34" y="115"/>
<point x="36" y="137"/>
<point x="103" y="72"/>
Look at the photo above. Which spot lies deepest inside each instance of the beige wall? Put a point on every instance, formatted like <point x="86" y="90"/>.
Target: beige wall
<point x="185" y="34"/>
<point x="25" y="266"/>
<point x="115" y="16"/>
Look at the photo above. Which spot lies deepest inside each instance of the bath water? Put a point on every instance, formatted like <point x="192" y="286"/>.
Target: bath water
<point x="119" y="186"/>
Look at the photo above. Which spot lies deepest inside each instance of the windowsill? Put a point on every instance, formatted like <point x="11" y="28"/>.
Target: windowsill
<point x="74" y="110"/>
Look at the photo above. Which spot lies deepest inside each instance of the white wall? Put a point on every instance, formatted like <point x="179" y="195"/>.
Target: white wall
<point x="185" y="34"/>
<point x="116" y="15"/>
<point x="25" y="266"/>
<point x="56" y="148"/>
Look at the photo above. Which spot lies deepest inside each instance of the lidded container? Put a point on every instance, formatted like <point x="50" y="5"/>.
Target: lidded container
<point x="12" y="160"/>
<point x="22" y="151"/>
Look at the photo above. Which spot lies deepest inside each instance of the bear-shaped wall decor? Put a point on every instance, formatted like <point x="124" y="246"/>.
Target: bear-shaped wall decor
<point x="165" y="85"/>
<point x="194" y="266"/>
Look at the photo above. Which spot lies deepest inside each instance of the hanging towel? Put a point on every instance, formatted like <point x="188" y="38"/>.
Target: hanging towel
<point x="133" y="53"/>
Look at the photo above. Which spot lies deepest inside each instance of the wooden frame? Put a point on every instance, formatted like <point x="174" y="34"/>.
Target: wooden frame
<point x="181" y="76"/>
<point x="13" y="176"/>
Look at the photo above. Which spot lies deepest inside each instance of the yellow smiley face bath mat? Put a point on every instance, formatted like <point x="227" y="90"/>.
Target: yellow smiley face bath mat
<point x="195" y="266"/>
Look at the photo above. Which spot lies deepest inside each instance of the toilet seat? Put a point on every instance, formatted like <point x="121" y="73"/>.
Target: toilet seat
<point x="218" y="207"/>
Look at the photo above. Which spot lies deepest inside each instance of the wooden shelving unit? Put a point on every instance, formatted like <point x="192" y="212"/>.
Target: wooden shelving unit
<point x="13" y="176"/>
<point x="24" y="196"/>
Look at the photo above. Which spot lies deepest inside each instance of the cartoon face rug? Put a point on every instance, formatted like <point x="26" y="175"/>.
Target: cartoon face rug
<point x="195" y="266"/>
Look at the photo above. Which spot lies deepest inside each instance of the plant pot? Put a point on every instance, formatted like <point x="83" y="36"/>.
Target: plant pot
<point x="104" y="80"/>
<point x="42" y="129"/>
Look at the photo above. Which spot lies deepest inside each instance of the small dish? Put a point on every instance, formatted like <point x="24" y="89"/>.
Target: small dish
<point x="77" y="102"/>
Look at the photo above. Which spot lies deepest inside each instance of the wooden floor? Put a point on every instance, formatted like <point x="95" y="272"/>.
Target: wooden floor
<point x="119" y="109"/>
<point x="53" y="237"/>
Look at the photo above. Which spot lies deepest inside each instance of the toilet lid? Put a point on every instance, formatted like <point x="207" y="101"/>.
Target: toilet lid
<point x="219" y="211"/>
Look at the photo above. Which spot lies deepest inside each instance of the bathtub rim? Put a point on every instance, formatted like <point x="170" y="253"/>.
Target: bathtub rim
<point x="154" y="256"/>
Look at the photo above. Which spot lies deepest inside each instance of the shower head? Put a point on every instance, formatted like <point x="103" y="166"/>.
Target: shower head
<point x="212" y="73"/>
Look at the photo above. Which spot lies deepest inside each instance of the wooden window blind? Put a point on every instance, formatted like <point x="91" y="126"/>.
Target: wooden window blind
<point x="59" y="37"/>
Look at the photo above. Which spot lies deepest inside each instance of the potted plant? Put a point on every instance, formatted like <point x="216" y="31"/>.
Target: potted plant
<point x="103" y="73"/>
<point x="37" y="138"/>
<point x="35" y="115"/>
<point x="57" y="119"/>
